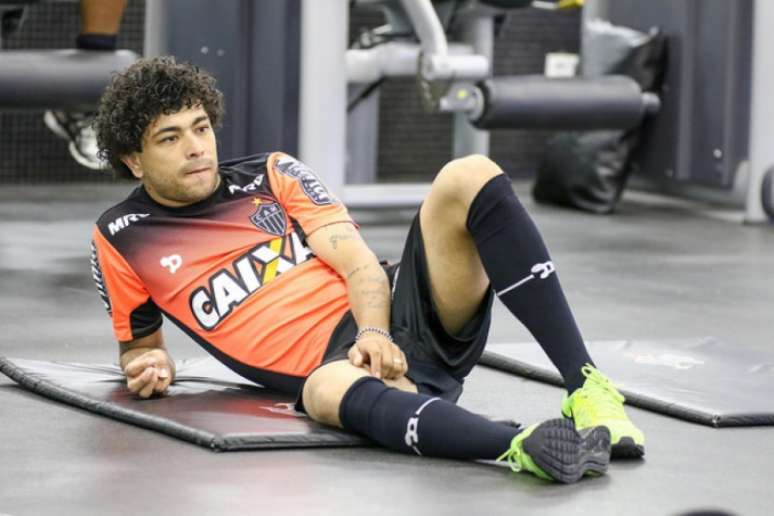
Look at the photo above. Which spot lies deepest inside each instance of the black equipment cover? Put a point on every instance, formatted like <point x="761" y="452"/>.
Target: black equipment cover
<point x="589" y="170"/>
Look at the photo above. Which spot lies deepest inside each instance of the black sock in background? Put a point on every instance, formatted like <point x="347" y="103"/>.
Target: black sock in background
<point x="522" y="274"/>
<point x="107" y="42"/>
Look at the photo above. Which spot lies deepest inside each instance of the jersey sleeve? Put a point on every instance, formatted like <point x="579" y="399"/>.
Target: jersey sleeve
<point x="126" y="299"/>
<point x="303" y="194"/>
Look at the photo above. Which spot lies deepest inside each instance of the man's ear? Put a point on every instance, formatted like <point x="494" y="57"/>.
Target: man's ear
<point x="133" y="162"/>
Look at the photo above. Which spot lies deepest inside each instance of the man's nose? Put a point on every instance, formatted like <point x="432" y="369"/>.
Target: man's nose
<point x="193" y="147"/>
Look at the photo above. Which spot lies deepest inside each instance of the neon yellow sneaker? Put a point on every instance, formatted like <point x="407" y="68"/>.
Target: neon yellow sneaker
<point x="555" y="450"/>
<point x="598" y="403"/>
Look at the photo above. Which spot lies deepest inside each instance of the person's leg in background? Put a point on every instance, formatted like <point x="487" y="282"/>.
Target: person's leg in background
<point x="100" y="22"/>
<point x="476" y="232"/>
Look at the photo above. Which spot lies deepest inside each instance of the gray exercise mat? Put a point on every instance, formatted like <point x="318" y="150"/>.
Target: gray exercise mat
<point x="702" y="380"/>
<point x="208" y="404"/>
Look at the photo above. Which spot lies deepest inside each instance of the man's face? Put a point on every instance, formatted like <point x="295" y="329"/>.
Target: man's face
<point x="178" y="164"/>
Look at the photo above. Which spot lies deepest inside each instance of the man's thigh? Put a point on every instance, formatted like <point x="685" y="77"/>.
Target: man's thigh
<point x="458" y="281"/>
<point x="324" y="389"/>
<point x="457" y="278"/>
<point x="417" y="327"/>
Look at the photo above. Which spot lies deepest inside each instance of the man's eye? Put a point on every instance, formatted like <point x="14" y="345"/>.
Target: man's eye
<point x="203" y="128"/>
<point x="168" y="139"/>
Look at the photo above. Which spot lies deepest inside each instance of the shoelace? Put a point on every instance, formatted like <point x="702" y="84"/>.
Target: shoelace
<point x="514" y="459"/>
<point x="607" y="401"/>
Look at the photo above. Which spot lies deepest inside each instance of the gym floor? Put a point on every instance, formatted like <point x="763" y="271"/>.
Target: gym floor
<point x="659" y="268"/>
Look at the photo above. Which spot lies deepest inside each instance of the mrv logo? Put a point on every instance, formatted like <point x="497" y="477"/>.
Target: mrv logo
<point x="122" y="222"/>
<point x="251" y="271"/>
<point x="251" y="187"/>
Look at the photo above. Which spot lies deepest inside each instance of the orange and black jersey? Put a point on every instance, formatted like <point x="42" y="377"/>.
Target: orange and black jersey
<point x="233" y="271"/>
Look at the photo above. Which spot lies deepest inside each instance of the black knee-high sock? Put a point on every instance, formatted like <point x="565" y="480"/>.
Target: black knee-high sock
<point x="523" y="276"/>
<point x="421" y="424"/>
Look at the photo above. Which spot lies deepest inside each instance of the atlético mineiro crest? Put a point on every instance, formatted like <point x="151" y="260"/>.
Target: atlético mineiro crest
<point x="269" y="217"/>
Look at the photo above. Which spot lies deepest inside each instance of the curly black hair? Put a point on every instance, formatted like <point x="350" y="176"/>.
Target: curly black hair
<point x="146" y="90"/>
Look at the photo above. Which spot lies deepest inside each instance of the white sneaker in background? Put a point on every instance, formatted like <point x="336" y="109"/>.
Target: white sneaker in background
<point x="78" y="130"/>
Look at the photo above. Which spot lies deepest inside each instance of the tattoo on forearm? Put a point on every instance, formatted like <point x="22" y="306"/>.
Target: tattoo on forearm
<point x="374" y="278"/>
<point x="375" y="298"/>
<point x="356" y="270"/>
<point x="371" y="286"/>
<point x="335" y="238"/>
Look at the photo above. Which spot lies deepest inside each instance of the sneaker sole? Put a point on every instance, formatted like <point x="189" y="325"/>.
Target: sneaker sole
<point x="626" y="448"/>
<point x="565" y="454"/>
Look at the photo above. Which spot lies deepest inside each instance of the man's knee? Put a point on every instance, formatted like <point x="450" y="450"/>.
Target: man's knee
<point x="325" y="388"/>
<point x="461" y="179"/>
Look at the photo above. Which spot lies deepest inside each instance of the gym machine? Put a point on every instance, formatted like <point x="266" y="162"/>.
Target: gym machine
<point x="455" y="77"/>
<point x="67" y="79"/>
<point x="452" y="78"/>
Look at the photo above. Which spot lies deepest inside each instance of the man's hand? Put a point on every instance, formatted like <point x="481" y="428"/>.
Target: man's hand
<point x="149" y="373"/>
<point x="386" y="360"/>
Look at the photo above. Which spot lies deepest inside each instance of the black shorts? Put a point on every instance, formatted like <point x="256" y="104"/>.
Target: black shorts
<point x="437" y="362"/>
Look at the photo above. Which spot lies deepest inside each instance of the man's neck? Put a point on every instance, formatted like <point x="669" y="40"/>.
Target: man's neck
<point x="171" y="203"/>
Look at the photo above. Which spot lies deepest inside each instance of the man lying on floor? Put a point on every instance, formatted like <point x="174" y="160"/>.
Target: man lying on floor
<point x="262" y="266"/>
